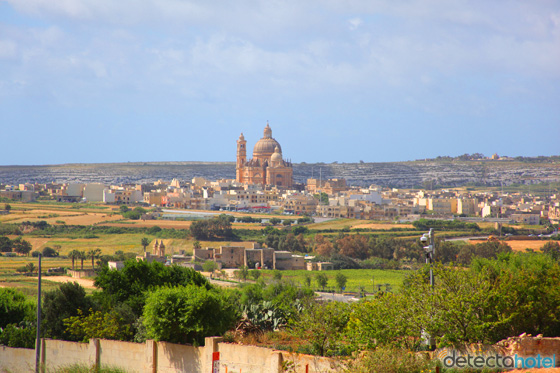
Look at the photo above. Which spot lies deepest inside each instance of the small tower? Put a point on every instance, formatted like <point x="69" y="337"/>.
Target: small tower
<point x="161" y="249"/>
<point x="156" y="248"/>
<point x="241" y="158"/>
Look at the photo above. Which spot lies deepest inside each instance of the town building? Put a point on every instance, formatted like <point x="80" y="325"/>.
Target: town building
<point x="267" y="166"/>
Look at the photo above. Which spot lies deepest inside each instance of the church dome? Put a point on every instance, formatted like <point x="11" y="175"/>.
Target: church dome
<point x="266" y="146"/>
<point x="277" y="156"/>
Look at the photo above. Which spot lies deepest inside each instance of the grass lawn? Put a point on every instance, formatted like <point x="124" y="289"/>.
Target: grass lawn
<point x="356" y="278"/>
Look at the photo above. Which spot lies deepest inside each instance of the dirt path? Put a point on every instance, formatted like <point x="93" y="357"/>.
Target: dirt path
<point x="82" y="281"/>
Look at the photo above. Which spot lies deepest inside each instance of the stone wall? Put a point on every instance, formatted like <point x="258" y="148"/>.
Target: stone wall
<point x="57" y="353"/>
<point x="17" y="359"/>
<point x="162" y="357"/>
<point x="523" y="346"/>
<point x="526" y="345"/>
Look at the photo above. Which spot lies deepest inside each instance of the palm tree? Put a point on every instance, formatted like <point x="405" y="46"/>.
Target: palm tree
<point x="145" y="242"/>
<point x="94" y="254"/>
<point x="74" y="254"/>
<point x="82" y="257"/>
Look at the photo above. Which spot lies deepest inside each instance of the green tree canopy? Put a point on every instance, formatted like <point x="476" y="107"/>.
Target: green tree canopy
<point x="340" y="281"/>
<point x="14" y="307"/>
<point x="21" y="246"/>
<point x="61" y="304"/>
<point x="187" y="314"/>
<point x="130" y="284"/>
<point x="321" y="279"/>
<point x="5" y="244"/>
<point x="210" y="229"/>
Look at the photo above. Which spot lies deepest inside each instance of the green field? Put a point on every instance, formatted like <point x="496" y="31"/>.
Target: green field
<point x="356" y="278"/>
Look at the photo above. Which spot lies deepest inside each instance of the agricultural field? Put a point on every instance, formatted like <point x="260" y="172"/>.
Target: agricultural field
<point x="338" y="224"/>
<point x="369" y="279"/>
<point x="28" y="284"/>
<point x="520" y="245"/>
<point x="57" y="214"/>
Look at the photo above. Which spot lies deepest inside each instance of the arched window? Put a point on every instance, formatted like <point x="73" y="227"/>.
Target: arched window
<point x="278" y="176"/>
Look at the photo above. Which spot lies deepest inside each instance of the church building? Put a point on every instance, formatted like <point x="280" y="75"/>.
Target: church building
<point x="267" y="166"/>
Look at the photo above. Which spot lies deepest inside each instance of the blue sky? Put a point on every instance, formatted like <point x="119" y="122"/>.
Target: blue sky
<point x="374" y="80"/>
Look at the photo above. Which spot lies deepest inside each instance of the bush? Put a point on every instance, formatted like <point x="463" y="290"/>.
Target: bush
<point x="14" y="307"/>
<point x="187" y="314"/>
<point x="129" y="285"/>
<point x="21" y="335"/>
<point x="322" y="325"/>
<point x="391" y="360"/>
<point x="49" y="252"/>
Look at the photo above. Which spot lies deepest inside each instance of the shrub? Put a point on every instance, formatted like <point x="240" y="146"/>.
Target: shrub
<point x="21" y="335"/>
<point x="391" y="360"/>
<point x="129" y="285"/>
<point x="187" y="314"/>
<point x="14" y="307"/>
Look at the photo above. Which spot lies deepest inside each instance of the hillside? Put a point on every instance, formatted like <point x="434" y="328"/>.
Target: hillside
<point x="394" y="174"/>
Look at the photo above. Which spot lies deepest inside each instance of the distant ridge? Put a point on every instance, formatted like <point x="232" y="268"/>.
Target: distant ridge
<point x="389" y="174"/>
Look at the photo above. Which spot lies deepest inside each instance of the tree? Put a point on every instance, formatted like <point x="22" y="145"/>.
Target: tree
<point x="340" y="280"/>
<point x="14" y="307"/>
<point x="288" y="243"/>
<point x="129" y="285"/>
<point x="5" y="244"/>
<point x="274" y="221"/>
<point x="123" y="208"/>
<point x="82" y="256"/>
<point x="242" y="272"/>
<point x="209" y="266"/>
<point x="22" y="246"/>
<point x="322" y="280"/>
<point x="354" y="246"/>
<point x="209" y="229"/>
<point x="7" y="207"/>
<point x="322" y="325"/>
<point x="277" y="275"/>
<point x="30" y="268"/>
<point x="98" y="324"/>
<point x="145" y="242"/>
<point x="197" y="245"/>
<point x="94" y="254"/>
<point x="307" y="280"/>
<point x="323" y="246"/>
<point x="74" y="254"/>
<point x="287" y="222"/>
<point x="61" y="304"/>
<point x="187" y="314"/>
<point x="386" y="320"/>
<point x="552" y="248"/>
<point x="49" y="252"/>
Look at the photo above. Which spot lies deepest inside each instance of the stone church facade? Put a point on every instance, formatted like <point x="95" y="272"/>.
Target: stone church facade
<point x="267" y="166"/>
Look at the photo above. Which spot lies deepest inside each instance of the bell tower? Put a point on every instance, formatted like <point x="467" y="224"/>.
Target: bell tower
<point x="241" y="158"/>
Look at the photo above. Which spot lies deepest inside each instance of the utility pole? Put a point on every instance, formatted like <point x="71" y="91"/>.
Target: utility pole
<point x="430" y="251"/>
<point x="38" y="339"/>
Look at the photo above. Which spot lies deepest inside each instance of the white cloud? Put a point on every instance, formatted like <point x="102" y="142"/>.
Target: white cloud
<point x="354" y="23"/>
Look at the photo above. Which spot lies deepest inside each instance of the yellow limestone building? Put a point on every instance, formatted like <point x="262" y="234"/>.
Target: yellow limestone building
<point x="267" y="166"/>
